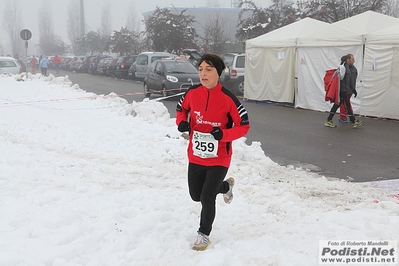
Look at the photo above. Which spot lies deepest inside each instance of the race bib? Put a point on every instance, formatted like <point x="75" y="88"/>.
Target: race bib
<point x="204" y="145"/>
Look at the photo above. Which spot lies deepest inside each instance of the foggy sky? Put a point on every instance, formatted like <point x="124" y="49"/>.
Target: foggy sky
<point x="30" y="10"/>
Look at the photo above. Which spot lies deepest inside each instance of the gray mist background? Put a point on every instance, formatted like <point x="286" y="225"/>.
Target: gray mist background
<point x="119" y="14"/>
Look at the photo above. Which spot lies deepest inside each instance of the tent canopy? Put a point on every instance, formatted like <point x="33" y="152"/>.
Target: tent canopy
<point x="351" y="31"/>
<point x="365" y="23"/>
<point x="330" y="35"/>
<point x="288" y="35"/>
<point x="386" y="35"/>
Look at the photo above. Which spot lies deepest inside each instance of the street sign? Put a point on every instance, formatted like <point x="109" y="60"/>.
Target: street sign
<point x="26" y="34"/>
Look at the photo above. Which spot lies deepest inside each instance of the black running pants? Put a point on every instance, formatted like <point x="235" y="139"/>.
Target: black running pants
<point x="204" y="183"/>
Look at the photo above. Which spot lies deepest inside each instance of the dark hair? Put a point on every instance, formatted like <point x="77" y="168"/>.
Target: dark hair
<point x="343" y="59"/>
<point x="213" y="60"/>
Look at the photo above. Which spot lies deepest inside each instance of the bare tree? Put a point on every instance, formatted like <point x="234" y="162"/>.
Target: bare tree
<point x="212" y="3"/>
<point x="13" y="25"/>
<point x="392" y="8"/>
<point x="215" y="38"/>
<point x="252" y="21"/>
<point x="46" y="30"/>
<point x="105" y="29"/>
<point x="73" y="23"/>
<point x="133" y="21"/>
<point x="281" y="13"/>
<point x="335" y="10"/>
<point x="106" y="20"/>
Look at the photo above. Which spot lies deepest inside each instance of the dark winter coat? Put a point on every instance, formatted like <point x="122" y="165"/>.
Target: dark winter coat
<point x="352" y="84"/>
<point x="345" y="82"/>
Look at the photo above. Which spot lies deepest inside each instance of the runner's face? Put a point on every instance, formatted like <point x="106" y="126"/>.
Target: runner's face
<point x="208" y="75"/>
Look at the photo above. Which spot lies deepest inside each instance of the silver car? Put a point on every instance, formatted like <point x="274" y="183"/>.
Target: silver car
<point x="9" y="65"/>
<point x="144" y="60"/>
<point x="233" y="76"/>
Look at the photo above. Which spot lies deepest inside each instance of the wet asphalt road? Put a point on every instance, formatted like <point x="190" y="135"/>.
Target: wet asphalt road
<point x="296" y="137"/>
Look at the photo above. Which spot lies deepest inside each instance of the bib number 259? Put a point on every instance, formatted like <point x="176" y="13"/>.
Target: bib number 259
<point x="204" y="145"/>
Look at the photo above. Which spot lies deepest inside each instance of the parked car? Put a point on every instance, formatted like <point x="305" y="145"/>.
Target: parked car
<point x="9" y="65"/>
<point x="123" y="64"/>
<point x="76" y="63"/>
<point x="144" y="60"/>
<point x="50" y="61"/>
<point x="233" y="76"/>
<point x="84" y="67"/>
<point x="132" y="71"/>
<point x="64" y="65"/>
<point x="102" y="65"/>
<point x="94" y="64"/>
<point x="111" y="67"/>
<point x="170" y="76"/>
<point x="193" y="56"/>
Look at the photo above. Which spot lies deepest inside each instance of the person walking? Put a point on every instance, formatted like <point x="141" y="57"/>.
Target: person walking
<point x="350" y="60"/>
<point x="345" y="78"/>
<point x="57" y="62"/>
<point x="213" y="117"/>
<point x="44" y="65"/>
<point x="33" y="62"/>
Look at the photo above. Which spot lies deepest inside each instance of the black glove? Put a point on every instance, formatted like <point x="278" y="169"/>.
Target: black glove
<point x="217" y="133"/>
<point x="355" y="93"/>
<point x="184" y="126"/>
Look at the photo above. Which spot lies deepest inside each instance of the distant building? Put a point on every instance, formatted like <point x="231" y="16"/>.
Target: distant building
<point x="205" y="15"/>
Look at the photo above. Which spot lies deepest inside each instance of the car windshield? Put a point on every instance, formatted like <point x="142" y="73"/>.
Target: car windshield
<point x="182" y="67"/>
<point x="228" y="60"/>
<point x="130" y="60"/>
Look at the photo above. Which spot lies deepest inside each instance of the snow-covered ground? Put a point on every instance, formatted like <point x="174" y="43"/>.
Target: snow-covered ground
<point x="89" y="179"/>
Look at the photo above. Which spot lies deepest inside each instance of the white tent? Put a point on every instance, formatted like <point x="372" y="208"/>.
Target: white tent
<point x="352" y="35"/>
<point x="270" y="62"/>
<point x="380" y="95"/>
<point x="366" y="36"/>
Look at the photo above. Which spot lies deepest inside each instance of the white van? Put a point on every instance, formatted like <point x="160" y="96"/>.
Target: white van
<point x="144" y="60"/>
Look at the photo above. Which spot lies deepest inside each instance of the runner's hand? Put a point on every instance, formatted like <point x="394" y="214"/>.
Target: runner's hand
<point x="217" y="133"/>
<point x="184" y="126"/>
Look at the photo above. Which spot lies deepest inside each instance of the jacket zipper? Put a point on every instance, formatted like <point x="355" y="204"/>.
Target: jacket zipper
<point x="207" y="101"/>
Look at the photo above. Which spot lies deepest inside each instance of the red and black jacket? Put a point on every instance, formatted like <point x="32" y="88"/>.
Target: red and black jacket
<point x="208" y="108"/>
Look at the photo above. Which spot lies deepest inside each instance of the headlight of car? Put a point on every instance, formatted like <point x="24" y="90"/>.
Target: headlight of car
<point x="172" y="78"/>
